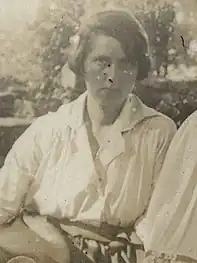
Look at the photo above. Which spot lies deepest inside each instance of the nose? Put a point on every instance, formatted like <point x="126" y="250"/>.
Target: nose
<point x="110" y="72"/>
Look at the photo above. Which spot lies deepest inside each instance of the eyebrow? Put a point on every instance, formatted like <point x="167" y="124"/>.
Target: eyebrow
<point x="102" y="57"/>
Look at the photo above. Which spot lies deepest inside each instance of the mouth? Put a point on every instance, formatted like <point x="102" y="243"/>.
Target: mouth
<point x="109" y="90"/>
<point x="110" y="87"/>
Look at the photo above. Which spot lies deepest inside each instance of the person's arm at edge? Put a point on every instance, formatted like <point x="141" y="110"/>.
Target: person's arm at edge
<point x="19" y="169"/>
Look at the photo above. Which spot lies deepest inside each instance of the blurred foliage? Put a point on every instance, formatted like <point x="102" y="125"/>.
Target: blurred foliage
<point x="160" y="26"/>
<point x="176" y="99"/>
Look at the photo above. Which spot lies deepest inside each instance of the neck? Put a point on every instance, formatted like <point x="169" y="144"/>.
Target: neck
<point x="101" y="116"/>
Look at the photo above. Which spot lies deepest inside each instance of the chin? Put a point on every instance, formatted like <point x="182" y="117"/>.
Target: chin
<point x="106" y="100"/>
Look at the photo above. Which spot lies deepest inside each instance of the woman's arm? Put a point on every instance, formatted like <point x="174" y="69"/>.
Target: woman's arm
<point x="163" y="139"/>
<point x="18" y="171"/>
<point x="159" y="134"/>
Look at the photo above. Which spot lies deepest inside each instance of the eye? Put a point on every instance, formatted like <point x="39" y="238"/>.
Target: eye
<point x="102" y="62"/>
<point x="127" y="66"/>
<point x="124" y="63"/>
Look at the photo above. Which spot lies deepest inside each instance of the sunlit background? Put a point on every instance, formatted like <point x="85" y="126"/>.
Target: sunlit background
<point x="16" y="14"/>
<point x="22" y="22"/>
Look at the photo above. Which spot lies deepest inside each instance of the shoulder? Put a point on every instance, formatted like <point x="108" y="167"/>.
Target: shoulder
<point x="187" y="133"/>
<point x="190" y="123"/>
<point x="158" y="131"/>
<point x="45" y="128"/>
<point x="152" y="120"/>
<point x="156" y="122"/>
<point x="52" y="122"/>
<point x="162" y="130"/>
<point x="161" y="123"/>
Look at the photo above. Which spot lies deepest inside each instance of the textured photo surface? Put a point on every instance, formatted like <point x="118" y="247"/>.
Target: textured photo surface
<point x="98" y="125"/>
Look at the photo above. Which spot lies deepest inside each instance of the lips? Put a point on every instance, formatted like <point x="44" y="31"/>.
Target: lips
<point x="109" y="90"/>
<point x="108" y="86"/>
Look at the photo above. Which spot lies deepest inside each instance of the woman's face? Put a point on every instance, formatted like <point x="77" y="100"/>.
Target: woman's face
<point x="109" y="74"/>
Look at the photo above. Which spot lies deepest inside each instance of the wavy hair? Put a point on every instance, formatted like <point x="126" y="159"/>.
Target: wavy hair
<point x="121" y="25"/>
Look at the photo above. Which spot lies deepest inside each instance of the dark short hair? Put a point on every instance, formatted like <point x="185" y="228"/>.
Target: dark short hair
<point x="120" y="25"/>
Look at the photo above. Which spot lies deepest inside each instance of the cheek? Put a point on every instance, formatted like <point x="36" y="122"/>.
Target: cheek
<point x="94" y="77"/>
<point x="127" y="79"/>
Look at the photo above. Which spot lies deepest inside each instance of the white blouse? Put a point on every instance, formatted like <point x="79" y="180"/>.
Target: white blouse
<point x="51" y="166"/>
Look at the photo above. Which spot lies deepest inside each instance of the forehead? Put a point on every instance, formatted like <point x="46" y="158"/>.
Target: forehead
<point x="102" y="45"/>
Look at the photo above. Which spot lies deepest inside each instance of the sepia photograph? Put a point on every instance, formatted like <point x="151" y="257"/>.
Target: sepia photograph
<point x="98" y="126"/>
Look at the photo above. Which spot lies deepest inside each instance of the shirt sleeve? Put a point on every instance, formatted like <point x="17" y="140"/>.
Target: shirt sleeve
<point x="18" y="170"/>
<point x="161" y="132"/>
<point x="165" y="134"/>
